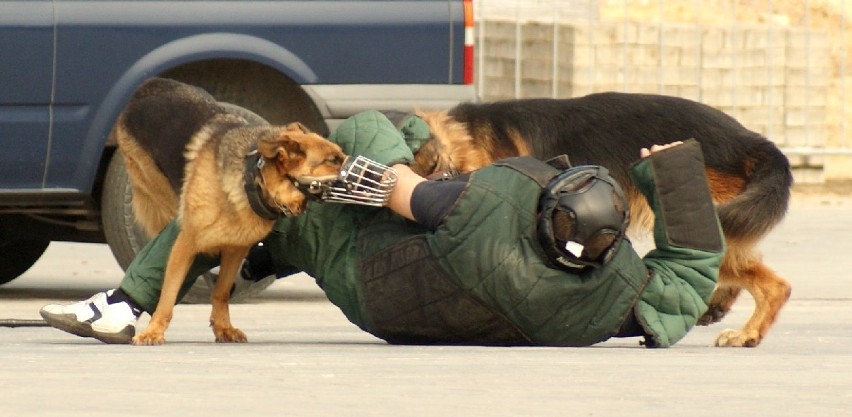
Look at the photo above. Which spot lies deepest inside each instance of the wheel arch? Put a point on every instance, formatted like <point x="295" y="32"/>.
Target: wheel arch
<point x="195" y="51"/>
<point x="245" y="70"/>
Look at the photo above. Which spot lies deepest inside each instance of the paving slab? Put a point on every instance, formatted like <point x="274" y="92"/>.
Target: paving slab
<point x="304" y="359"/>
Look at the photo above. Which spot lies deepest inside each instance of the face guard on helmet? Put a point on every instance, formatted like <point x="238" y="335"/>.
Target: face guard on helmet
<point x="582" y="218"/>
<point x="361" y="181"/>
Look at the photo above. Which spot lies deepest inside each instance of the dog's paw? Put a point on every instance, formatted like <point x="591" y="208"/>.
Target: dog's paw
<point x="230" y="335"/>
<point x="149" y="339"/>
<point x="736" y="338"/>
<point x="714" y="314"/>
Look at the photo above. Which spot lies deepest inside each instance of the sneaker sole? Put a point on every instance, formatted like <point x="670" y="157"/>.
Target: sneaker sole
<point x="124" y="337"/>
<point x="68" y="323"/>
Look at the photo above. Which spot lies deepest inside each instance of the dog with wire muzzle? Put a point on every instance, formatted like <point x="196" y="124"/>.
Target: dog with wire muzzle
<point x="225" y="175"/>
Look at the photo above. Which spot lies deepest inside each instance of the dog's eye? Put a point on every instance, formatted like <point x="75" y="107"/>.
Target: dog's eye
<point x="334" y="160"/>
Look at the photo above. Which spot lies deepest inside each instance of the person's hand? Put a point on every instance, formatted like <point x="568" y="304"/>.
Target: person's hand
<point x="645" y="152"/>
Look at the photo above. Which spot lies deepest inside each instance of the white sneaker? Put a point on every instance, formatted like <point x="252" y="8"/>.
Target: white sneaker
<point x="95" y="317"/>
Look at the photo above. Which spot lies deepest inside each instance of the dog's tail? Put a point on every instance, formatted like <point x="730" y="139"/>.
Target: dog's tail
<point x="763" y="202"/>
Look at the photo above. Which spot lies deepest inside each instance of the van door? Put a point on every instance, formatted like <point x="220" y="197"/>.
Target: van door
<point x="26" y="76"/>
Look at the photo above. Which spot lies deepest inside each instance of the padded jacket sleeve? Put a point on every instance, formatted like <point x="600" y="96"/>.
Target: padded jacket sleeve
<point x="372" y="135"/>
<point x="689" y="243"/>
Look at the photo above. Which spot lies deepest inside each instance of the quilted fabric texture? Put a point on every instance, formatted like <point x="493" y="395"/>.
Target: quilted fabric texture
<point x="488" y="243"/>
<point x="372" y="135"/>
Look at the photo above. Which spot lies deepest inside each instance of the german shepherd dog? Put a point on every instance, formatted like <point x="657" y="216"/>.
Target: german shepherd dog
<point x="186" y="156"/>
<point x="749" y="177"/>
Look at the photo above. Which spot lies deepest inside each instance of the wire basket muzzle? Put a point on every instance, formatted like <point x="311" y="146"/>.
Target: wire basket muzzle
<point x="362" y="181"/>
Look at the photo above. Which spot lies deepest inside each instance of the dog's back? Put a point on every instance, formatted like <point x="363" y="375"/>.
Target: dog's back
<point x="161" y="118"/>
<point x="749" y="176"/>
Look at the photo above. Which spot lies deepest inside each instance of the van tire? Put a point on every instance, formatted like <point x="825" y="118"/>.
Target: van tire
<point x="17" y="256"/>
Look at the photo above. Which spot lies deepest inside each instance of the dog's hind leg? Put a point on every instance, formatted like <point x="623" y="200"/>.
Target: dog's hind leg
<point x="155" y="202"/>
<point x="220" y="318"/>
<point x="720" y="304"/>
<point x="770" y="293"/>
<point x="738" y="255"/>
<point x="181" y="257"/>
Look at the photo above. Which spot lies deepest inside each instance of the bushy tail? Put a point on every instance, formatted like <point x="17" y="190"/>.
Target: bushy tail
<point x="764" y="202"/>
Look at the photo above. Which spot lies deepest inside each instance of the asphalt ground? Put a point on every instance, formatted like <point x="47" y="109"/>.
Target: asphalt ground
<point x="304" y="359"/>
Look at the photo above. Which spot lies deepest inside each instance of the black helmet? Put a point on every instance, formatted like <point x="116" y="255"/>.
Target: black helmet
<point x="582" y="218"/>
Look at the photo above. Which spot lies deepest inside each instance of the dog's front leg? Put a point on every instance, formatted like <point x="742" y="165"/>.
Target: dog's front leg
<point x="220" y="317"/>
<point x="180" y="258"/>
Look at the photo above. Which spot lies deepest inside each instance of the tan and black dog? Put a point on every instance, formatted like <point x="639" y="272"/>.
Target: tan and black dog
<point x="749" y="177"/>
<point x="177" y="137"/>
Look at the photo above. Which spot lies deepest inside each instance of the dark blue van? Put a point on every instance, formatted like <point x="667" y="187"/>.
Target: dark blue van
<point x="67" y="68"/>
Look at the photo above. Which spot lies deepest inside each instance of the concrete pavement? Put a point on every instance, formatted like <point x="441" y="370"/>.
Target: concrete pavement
<point x="304" y="359"/>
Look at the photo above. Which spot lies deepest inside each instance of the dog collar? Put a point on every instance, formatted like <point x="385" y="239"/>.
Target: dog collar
<point x="254" y="189"/>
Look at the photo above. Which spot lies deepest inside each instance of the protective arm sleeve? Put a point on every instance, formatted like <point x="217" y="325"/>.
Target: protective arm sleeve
<point x="372" y="135"/>
<point x="689" y="243"/>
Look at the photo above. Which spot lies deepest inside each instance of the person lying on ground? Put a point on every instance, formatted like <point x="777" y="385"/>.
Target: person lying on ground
<point x="521" y="252"/>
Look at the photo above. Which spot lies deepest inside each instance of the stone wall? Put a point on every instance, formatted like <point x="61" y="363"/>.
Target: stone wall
<point x="774" y="80"/>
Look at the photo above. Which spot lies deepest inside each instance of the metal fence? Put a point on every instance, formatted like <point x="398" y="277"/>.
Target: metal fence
<point x="779" y="66"/>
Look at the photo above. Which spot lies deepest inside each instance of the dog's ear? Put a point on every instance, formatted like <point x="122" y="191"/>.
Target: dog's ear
<point x="281" y="148"/>
<point x="298" y="127"/>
